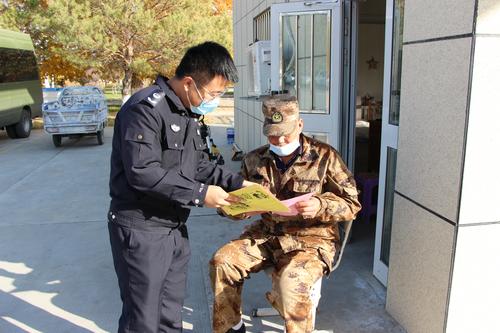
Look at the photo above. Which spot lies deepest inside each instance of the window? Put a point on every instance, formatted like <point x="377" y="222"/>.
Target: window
<point x="262" y="26"/>
<point x="17" y="65"/>
<point x="305" y="59"/>
<point x="397" y="57"/>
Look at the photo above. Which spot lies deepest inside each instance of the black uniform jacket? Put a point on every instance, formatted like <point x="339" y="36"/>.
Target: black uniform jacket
<point x="158" y="166"/>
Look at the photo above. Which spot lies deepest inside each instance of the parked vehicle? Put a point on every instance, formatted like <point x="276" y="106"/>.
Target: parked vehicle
<point x="20" y="89"/>
<point x="50" y="94"/>
<point x="77" y="111"/>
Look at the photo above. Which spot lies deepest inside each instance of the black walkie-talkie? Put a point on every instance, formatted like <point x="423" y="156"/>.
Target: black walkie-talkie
<point x="205" y="134"/>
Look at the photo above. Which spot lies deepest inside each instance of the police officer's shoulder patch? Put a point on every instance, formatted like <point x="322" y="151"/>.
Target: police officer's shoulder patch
<point x="154" y="97"/>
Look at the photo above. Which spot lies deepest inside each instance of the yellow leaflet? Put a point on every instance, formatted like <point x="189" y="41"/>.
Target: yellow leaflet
<point x="254" y="199"/>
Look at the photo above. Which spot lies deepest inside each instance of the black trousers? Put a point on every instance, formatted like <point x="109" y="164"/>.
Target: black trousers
<point x="151" y="266"/>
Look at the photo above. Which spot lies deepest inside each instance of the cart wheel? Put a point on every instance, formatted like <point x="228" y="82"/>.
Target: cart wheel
<point x="57" y="140"/>
<point x="100" y="138"/>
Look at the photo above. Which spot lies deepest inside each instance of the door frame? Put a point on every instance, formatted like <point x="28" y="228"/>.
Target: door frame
<point x="340" y="125"/>
<point x="350" y="83"/>
<point x="389" y="139"/>
<point x="329" y="123"/>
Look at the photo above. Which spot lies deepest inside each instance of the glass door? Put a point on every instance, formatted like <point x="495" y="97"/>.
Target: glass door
<point x="306" y="59"/>
<point x="389" y="144"/>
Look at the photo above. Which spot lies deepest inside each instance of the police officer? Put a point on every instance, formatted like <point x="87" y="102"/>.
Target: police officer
<point x="300" y="248"/>
<point x="158" y="170"/>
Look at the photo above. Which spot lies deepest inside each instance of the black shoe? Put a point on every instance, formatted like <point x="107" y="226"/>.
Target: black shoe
<point x="241" y="330"/>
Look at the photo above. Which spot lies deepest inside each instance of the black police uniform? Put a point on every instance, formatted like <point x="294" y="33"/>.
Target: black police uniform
<point x="158" y="168"/>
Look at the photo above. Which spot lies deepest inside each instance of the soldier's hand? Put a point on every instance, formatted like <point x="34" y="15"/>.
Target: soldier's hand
<point x="308" y="209"/>
<point x="216" y="197"/>
<point x="242" y="216"/>
<point x="248" y="215"/>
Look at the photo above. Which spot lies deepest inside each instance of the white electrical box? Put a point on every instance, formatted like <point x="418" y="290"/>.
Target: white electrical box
<point x="259" y="68"/>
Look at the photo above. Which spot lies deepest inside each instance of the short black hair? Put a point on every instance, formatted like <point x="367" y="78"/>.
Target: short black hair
<point x="206" y="60"/>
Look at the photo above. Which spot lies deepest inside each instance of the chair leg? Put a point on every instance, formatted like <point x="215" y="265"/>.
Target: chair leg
<point x="315" y="296"/>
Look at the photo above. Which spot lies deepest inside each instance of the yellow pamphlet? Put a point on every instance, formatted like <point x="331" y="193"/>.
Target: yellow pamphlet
<point x="254" y="198"/>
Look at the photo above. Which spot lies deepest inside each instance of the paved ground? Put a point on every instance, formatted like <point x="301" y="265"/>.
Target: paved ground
<point x="56" y="271"/>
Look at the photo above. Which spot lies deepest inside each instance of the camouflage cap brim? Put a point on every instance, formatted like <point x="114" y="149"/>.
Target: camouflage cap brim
<point x="279" y="129"/>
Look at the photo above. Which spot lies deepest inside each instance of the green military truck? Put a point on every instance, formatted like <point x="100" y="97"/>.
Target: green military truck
<point x="20" y="89"/>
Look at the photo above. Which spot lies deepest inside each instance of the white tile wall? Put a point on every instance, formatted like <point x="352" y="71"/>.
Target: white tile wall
<point x="434" y="88"/>
<point x="488" y="21"/>
<point x="425" y="19"/>
<point x="481" y="182"/>
<point x="475" y="291"/>
<point x="419" y="270"/>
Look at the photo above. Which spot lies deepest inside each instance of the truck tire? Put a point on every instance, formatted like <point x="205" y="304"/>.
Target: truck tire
<point x="100" y="137"/>
<point x="22" y="129"/>
<point x="57" y="140"/>
<point x="11" y="131"/>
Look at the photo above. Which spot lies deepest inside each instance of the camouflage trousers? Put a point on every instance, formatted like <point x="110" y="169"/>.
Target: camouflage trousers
<point x="293" y="276"/>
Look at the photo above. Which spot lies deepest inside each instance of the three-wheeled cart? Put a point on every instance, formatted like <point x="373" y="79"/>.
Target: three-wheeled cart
<point x="77" y="111"/>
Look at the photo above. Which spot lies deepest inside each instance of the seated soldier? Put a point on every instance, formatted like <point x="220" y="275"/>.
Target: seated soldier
<point x="300" y="248"/>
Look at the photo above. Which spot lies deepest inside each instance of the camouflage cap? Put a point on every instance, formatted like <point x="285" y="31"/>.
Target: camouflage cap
<point x="281" y="115"/>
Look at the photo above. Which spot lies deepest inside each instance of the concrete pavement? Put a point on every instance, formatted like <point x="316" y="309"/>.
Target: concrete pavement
<point x="56" y="272"/>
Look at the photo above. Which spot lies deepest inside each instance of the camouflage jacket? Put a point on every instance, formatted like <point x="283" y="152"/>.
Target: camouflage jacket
<point x="319" y="169"/>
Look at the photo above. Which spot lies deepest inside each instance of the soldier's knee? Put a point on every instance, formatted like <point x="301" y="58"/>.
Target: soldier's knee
<point x="294" y="282"/>
<point x="291" y="273"/>
<point x="219" y="258"/>
<point x="216" y="267"/>
<point x="299" y="311"/>
<point x="223" y="269"/>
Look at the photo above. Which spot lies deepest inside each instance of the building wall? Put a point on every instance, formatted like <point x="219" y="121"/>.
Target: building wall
<point x="444" y="265"/>
<point x="475" y="291"/>
<point x="247" y="116"/>
<point x="247" y="112"/>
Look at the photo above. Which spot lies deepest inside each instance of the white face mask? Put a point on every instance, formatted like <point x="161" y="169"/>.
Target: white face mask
<point x="286" y="149"/>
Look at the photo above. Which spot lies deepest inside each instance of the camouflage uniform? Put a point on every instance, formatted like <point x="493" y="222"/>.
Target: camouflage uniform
<point x="300" y="250"/>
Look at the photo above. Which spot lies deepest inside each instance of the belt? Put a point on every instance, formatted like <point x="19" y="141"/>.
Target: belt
<point x="142" y="224"/>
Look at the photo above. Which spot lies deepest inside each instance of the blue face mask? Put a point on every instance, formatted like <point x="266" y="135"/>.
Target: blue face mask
<point x="205" y="107"/>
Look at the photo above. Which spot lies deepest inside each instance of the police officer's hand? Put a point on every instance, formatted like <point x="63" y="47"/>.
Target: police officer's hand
<point x="216" y="197"/>
<point x="308" y="209"/>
